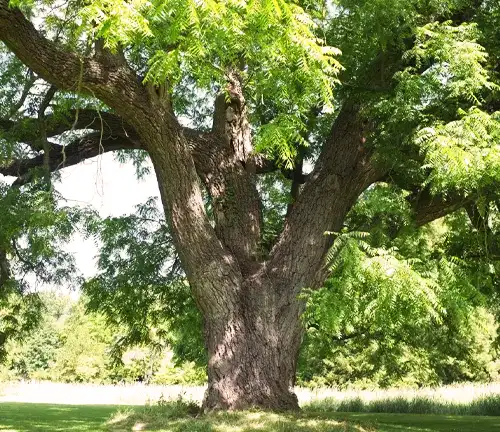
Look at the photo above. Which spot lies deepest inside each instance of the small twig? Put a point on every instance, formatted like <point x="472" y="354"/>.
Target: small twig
<point x="26" y="91"/>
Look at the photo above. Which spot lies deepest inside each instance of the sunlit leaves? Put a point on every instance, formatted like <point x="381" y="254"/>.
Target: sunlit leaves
<point x="448" y="66"/>
<point x="271" y="43"/>
<point x="281" y="138"/>
<point x="463" y="154"/>
<point x="117" y="22"/>
<point x="451" y="55"/>
<point x="395" y="315"/>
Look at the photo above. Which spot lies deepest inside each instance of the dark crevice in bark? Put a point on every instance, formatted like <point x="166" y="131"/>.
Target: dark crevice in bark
<point x="4" y="269"/>
<point x="297" y="181"/>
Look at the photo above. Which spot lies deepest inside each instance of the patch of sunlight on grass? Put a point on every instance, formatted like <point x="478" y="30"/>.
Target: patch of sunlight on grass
<point x="179" y="416"/>
<point x="139" y="427"/>
<point x="121" y="416"/>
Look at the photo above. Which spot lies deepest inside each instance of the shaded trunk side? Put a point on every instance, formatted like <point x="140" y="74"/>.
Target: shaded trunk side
<point x="252" y="361"/>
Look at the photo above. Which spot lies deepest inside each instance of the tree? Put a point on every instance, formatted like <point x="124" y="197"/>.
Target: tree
<point x="415" y="105"/>
<point x="37" y="353"/>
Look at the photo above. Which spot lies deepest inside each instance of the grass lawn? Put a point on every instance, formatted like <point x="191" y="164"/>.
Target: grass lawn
<point x="423" y="422"/>
<point x="22" y="417"/>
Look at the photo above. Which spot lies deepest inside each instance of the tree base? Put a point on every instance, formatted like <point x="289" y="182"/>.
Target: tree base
<point x="224" y="398"/>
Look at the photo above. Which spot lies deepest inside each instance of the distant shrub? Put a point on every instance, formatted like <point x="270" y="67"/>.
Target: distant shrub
<point x="187" y="373"/>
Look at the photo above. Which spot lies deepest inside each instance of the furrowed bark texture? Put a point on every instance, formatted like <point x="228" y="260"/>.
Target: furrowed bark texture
<point x="248" y="298"/>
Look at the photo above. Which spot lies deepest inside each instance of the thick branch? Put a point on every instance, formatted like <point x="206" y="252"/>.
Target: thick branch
<point x="429" y="207"/>
<point x="343" y="171"/>
<point x="226" y="166"/>
<point x="115" y="84"/>
<point x="148" y="110"/>
<point x="63" y="156"/>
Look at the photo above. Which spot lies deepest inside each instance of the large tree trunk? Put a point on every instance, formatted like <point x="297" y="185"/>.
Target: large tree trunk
<point x="253" y="347"/>
<point x="250" y="306"/>
<point x="252" y="342"/>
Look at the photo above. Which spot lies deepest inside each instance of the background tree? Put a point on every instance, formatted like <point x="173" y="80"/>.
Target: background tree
<point x="414" y="105"/>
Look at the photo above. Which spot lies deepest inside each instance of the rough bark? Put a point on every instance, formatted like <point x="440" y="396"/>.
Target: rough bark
<point x="228" y="170"/>
<point x="252" y="361"/>
<point x="343" y="171"/>
<point x="428" y="207"/>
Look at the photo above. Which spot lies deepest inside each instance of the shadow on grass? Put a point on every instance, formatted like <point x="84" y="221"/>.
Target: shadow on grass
<point x="185" y="417"/>
<point x="157" y="420"/>
<point x="25" y="417"/>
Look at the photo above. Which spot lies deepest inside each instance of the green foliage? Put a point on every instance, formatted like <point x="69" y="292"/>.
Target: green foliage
<point x="463" y="154"/>
<point x="398" y="312"/>
<point x="452" y="57"/>
<point x="275" y="198"/>
<point x="72" y="345"/>
<point x="82" y="356"/>
<point x="34" y="229"/>
<point x="140" y="285"/>
<point x="33" y="232"/>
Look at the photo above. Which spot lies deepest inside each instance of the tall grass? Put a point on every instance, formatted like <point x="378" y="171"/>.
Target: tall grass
<point x="479" y="400"/>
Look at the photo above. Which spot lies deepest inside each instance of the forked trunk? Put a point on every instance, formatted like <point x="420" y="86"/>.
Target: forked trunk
<point x="250" y="306"/>
<point x="252" y="331"/>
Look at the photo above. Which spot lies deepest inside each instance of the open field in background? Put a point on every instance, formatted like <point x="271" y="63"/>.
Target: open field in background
<point x="472" y="399"/>
<point x="34" y="407"/>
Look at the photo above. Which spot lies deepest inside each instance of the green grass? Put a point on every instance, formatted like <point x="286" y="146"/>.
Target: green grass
<point x="180" y="417"/>
<point x="482" y="406"/>
<point x="24" y="417"/>
<point x="423" y="422"/>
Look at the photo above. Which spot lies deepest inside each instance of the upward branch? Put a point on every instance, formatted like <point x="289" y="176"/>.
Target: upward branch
<point x="343" y="170"/>
<point x="112" y="83"/>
